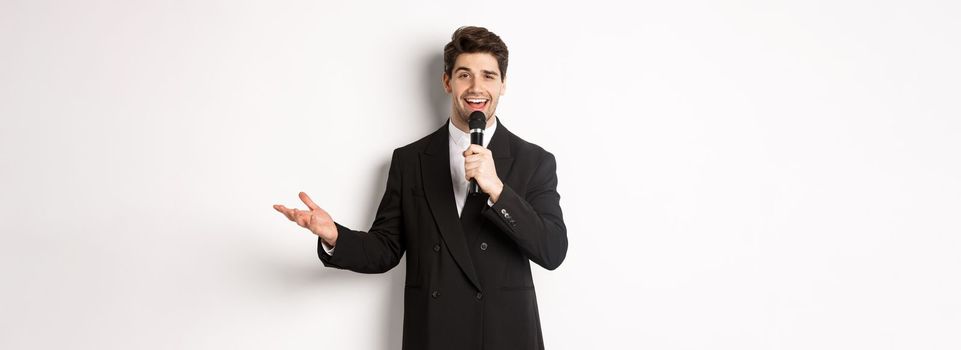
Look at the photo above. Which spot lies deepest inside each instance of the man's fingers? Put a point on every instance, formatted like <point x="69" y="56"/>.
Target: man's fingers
<point x="289" y="213"/>
<point x="301" y="217"/>
<point x="298" y="216"/>
<point x="475" y="149"/>
<point x="306" y="199"/>
<point x="470" y="173"/>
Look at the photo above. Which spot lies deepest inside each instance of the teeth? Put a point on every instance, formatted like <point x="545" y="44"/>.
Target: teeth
<point x="476" y="101"/>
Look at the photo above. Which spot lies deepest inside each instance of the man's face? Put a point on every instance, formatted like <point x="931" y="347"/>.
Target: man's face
<point x="476" y="85"/>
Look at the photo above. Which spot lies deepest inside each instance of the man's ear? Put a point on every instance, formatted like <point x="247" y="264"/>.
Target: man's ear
<point x="446" y="79"/>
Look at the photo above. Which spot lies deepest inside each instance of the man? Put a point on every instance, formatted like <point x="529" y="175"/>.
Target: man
<point x="469" y="282"/>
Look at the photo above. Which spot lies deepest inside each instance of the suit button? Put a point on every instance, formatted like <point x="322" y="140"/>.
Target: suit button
<point x="435" y="294"/>
<point x="484" y="246"/>
<point x="437" y="247"/>
<point x="480" y="296"/>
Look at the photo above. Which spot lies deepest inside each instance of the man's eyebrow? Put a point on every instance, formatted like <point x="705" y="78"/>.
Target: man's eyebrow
<point x="494" y="73"/>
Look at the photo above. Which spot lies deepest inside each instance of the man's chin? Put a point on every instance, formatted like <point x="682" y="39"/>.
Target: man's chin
<point x="465" y="115"/>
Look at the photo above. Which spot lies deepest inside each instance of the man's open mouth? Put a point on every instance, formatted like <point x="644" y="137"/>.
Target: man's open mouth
<point x="476" y="104"/>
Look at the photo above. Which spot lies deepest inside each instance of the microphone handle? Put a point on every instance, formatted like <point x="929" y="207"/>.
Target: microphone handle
<point x="476" y="138"/>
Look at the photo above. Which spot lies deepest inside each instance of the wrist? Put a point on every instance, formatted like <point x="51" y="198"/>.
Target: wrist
<point x="496" y="193"/>
<point x="330" y="239"/>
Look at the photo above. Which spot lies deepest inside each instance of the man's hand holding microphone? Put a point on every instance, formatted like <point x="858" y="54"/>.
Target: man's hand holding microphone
<point x="479" y="161"/>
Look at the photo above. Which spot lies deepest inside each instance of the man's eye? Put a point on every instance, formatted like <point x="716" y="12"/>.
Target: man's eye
<point x="490" y="77"/>
<point x="463" y="75"/>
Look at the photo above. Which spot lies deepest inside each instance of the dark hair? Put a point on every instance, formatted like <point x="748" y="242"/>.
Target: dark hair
<point x="473" y="40"/>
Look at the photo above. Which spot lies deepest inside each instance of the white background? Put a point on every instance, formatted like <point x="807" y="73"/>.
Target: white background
<point x="734" y="175"/>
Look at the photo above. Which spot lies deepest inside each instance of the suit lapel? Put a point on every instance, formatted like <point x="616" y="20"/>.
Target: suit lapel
<point x="435" y="168"/>
<point x="500" y="146"/>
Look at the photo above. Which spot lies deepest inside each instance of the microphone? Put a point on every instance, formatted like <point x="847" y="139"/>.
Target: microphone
<point x="476" y="123"/>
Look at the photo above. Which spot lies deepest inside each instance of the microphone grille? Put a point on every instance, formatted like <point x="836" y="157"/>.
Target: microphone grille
<point x="477" y="120"/>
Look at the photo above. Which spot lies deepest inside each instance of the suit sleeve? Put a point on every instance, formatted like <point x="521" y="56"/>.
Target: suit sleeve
<point x="534" y="220"/>
<point x="379" y="249"/>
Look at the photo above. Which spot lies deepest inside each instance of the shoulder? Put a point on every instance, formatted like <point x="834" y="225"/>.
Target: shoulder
<point x="528" y="151"/>
<point x="411" y="150"/>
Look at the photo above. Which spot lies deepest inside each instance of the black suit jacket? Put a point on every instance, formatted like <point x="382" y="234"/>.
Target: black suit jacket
<point x="469" y="282"/>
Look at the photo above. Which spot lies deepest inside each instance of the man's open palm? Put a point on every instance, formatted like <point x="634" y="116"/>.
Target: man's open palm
<point x="315" y="219"/>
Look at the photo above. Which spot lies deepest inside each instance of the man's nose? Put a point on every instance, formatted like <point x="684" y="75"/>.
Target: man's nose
<point x="474" y="85"/>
